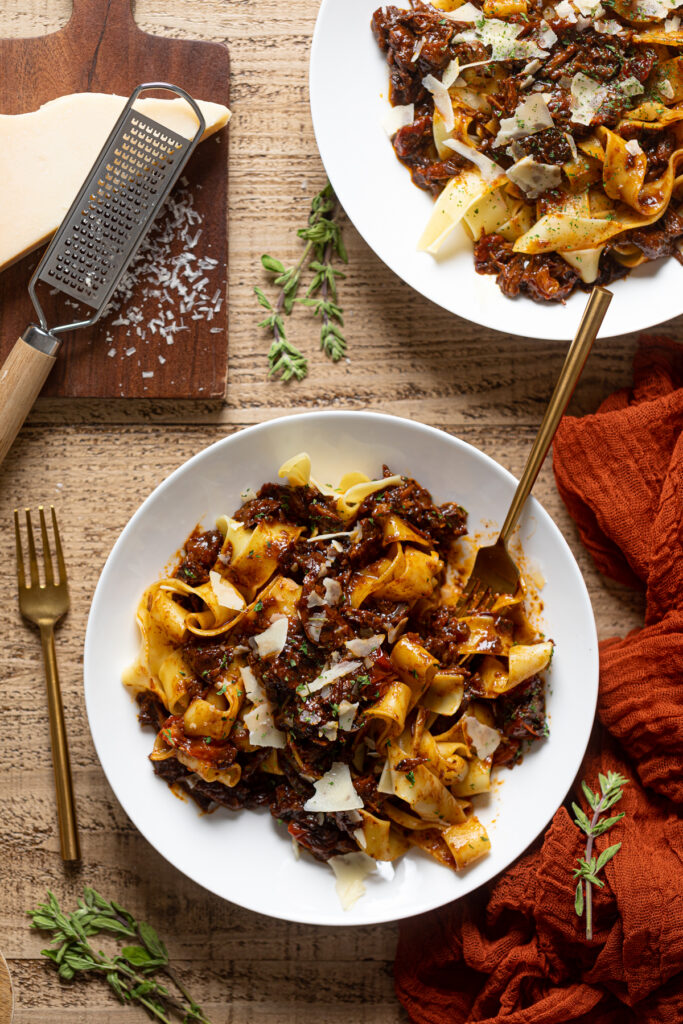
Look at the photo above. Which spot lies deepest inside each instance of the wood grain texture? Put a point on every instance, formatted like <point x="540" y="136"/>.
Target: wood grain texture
<point x="101" y="49"/>
<point x="6" y="994"/>
<point x="97" y="460"/>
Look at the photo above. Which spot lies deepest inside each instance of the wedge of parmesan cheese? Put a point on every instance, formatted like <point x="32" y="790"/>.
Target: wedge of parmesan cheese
<point x="45" y="156"/>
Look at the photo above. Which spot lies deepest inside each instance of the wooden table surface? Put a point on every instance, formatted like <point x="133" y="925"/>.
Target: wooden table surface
<point x="96" y="461"/>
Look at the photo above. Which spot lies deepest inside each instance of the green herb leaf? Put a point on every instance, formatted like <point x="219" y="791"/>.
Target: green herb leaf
<point x="589" y="866"/>
<point x="273" y="266"/>
<point x="323" y="242"/>
<point x="133" y="974"/>
<point x="578" y="899"/>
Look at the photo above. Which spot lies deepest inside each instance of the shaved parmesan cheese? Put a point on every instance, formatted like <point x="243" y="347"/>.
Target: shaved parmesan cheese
<point x="633" y="147"/>
<point x="609" y="27"/>
<point x="273" y="639"/>
<point x="398" y="117"/>
<point x="342" y="668"/>
<point x="315" y="625"/>
<point x="533" y="178"/>
<point x="589" y="8"/>
<point x="262" y="731"/>
<point x="418" y="49"/>
<point x="442" y="100"/>
<point x="315" y="600"/>
<point x="501" y="36"/>
<point x="666" y="90"/>
<point x="347" y="714"/>
<point x="489" y="169"/>
<point x="328" y="536"/>
<point x="451" y="73"/>
<point x="587" y="96"/>
<point x="546" y="36"/>
<point x="361" y="648"/>
<point x="359" y="836"/>
<point x="572" y="145"/>
<point x="532" y="67"/>
<point x="468" y="12"/>
<point x="386" y="783"/>
<point x="227" y="595"/>
<point x="329" y="730"/>
<point x="531" y="116"/>
<point x="252" y="686"/>
<point x="565" y="11"/>
<point x="672" y="24"/>
<point x="351" y="869"/>
<point x="334" y="791"/>
<point x="631" y="87"/>
<point x="483" y="738"/>
<point x="333" y="591"/>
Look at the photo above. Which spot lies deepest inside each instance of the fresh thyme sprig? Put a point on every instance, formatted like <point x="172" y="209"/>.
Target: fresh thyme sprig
<point x="587" y="872"/>
<point x="323" y="243"/>
<point x="133" y="973"/>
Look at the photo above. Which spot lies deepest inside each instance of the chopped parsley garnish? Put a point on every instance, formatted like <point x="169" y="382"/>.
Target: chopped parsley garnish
<point x="411" y="777"/>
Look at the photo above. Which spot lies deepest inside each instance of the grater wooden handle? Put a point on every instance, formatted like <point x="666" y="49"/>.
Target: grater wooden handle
<point x="21" y="377"/>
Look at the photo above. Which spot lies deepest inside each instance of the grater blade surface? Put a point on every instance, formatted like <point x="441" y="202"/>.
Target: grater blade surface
<point x="113" y="210"/>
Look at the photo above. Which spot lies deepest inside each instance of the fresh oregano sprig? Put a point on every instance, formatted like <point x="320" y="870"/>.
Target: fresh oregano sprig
<point x="134" y="973"/>
<point x="611" y="786"/>
<point x="323" y="243"/>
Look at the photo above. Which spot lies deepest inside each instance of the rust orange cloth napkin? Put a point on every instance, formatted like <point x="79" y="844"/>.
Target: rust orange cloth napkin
<point x="515" y="952"/>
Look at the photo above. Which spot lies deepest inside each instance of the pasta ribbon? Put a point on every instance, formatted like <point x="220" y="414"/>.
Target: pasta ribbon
<point x="379" y="839"/>
<point x="623" y="176"/>
<point x="468" y="842"/>
<point x="415" y="666"/>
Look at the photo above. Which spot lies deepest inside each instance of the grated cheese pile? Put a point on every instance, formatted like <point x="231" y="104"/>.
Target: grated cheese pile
<point x="171" y="274"/>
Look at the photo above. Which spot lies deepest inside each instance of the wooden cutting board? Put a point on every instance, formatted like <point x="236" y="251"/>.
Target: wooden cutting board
<point x="101" y="49"/>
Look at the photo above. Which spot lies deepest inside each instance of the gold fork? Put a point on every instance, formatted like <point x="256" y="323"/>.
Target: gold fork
<point x="44" y="605"/>
<point x="494" y="572"/>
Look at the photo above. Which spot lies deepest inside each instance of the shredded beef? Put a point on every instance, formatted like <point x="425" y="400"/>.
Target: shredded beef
<point x="201" y="552"/>
<point x="543" y="277"/>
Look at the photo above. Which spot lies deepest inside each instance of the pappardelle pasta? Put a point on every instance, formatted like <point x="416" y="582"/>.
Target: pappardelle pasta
<point x="310" y="654"/>
<point x="551" y="131"/>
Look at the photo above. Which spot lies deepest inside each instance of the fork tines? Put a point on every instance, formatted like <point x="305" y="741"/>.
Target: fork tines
<point x="475" y="596"/>
<point x="32" y="556"/>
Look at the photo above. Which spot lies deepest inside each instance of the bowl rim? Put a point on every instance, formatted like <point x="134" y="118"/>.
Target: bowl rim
<point x="90" y="670"/>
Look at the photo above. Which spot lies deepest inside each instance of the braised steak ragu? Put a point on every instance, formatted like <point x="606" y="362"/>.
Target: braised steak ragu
<point x="322" y="572"/>
<point x="420" y="41"/>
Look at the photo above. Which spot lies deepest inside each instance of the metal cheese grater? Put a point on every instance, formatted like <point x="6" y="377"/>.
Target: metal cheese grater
<point x="137" y="168"/>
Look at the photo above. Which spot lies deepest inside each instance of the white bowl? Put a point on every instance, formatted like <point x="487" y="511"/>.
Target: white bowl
<point x="349" y="85"/>
<point x="245" y="857"/>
